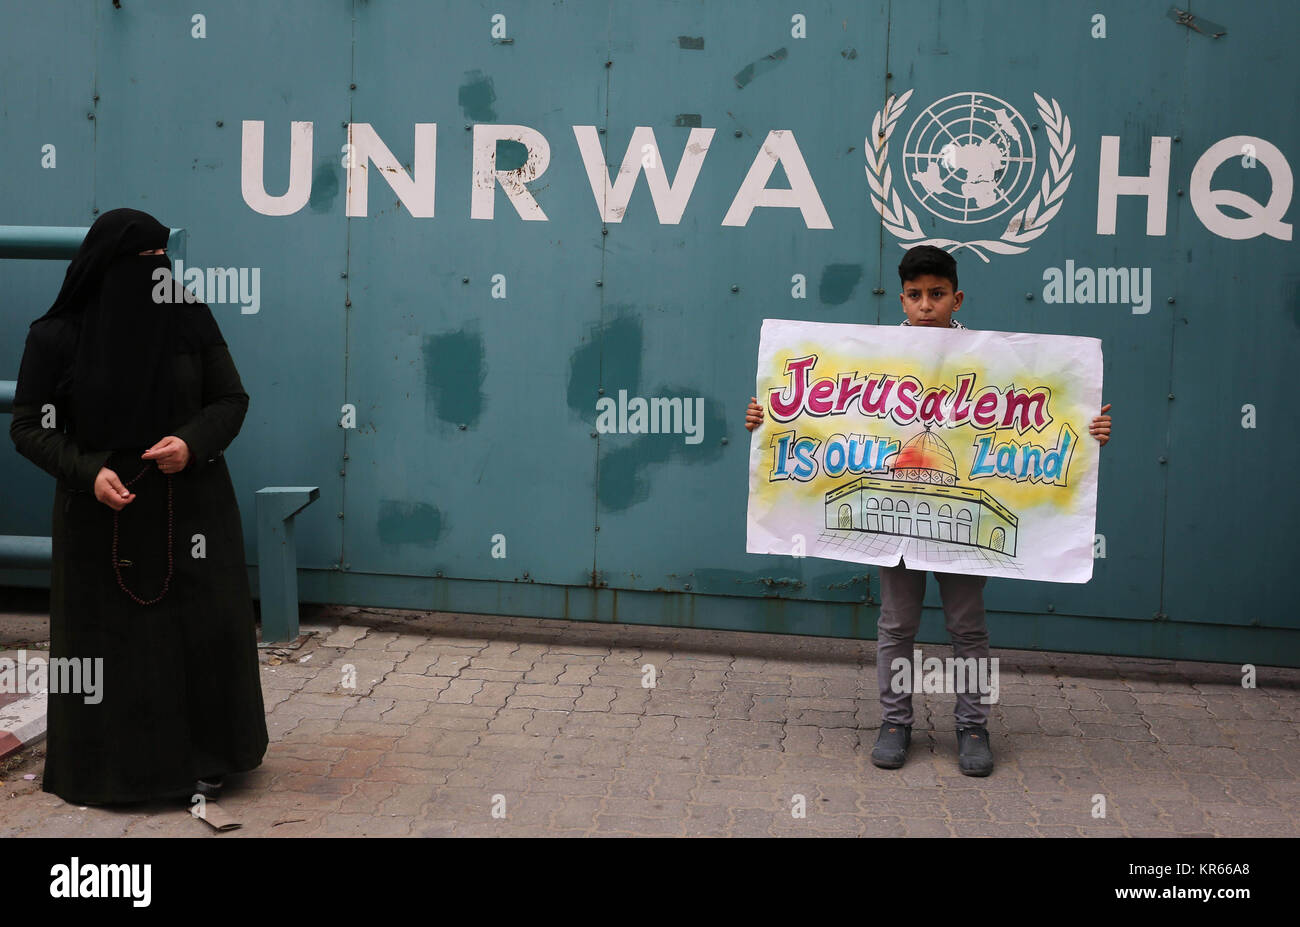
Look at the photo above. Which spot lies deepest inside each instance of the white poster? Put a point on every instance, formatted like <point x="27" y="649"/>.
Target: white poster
<point x="948" y="449"/>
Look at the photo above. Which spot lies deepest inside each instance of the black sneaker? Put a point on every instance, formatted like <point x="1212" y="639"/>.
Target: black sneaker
<point x="974" y="757"/>
<point x="890" y="751"/>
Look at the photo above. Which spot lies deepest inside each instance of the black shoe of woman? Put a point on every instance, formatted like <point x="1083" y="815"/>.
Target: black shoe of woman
<point x="209" y="787"/>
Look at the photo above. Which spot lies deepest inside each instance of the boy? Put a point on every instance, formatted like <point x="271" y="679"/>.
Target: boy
<point x="930" y="298"/>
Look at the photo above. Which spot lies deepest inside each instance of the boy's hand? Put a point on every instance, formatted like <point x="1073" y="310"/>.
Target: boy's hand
<point x="754" y="414"/>
<point x="1100" y="427"/>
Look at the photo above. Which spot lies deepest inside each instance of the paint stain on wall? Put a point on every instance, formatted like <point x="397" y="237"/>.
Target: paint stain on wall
<point x="324" y="187"/>
<point x="624" y="477"/>
<point x="618" y="343"/>
<point x="688" y="120"/>
<point x="454" y="370"/>
<point x="511" y="155"/>
<point x="761" y="66"/>
<point x="692" y="42"/>
<point x="402" y="522"/>
<point x="838" y="282"/>
<point x="476" y="97"/>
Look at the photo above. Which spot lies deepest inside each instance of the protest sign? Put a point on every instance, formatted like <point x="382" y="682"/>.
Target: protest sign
<point x="953" y="450"/>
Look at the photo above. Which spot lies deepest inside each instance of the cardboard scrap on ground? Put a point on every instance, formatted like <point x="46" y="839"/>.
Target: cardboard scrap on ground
<point x="217" y="817"/>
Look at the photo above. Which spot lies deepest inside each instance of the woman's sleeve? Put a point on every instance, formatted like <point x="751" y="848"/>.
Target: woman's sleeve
<point x="224" y="405"/>
<point x="38" y="438"/>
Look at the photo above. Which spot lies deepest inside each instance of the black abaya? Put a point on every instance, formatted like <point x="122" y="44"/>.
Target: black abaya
<point x="181" y="694"/>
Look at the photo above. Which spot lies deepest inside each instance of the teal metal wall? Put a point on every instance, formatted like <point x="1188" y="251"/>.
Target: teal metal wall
<point x="476" y="415"/>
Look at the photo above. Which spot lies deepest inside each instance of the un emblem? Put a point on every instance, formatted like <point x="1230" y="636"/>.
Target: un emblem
<point x="969" y="158"/>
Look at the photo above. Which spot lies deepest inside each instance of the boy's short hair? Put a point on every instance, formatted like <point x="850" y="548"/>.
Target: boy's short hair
<point x="927" y="259"/>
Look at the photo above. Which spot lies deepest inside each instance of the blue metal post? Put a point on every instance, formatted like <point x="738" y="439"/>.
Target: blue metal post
<point x="277" y="559"/>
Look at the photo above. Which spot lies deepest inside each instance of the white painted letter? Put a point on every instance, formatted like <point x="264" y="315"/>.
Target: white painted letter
<point x="486" y="176"/>
<point x="414" y="190"/>
<point x="1154" y="186"/>
<point x="780" y="146"/>
<point x="251" y="173"/>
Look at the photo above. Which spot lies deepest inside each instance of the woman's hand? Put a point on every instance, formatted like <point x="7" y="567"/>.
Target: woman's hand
<point x="753" y="414"/>
<point x="172" y="454"/>
<point x="110" y="491"/>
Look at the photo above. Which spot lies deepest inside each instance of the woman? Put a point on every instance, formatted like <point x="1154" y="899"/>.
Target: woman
<point x="128" y="398"/>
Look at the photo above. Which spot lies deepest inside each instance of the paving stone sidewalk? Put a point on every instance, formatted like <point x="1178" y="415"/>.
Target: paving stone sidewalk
<point x="434" y="724"/>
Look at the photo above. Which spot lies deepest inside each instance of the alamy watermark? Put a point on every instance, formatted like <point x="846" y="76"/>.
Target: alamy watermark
<point x="1118" y="285"/>
<point x="76" y="675"/>
<point x="657" y="415"/>
<point x="949" y="675"/>
<point x="239" y="285"/>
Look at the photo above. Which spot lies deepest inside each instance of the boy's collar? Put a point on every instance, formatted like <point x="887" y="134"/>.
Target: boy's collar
<point x="952" y="323"/>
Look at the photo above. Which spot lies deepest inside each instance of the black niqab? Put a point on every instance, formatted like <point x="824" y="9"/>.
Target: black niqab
<point x="121" y="371"/>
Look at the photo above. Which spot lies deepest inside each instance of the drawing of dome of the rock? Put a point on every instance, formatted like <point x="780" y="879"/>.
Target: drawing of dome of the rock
<point x="926" y="459"/>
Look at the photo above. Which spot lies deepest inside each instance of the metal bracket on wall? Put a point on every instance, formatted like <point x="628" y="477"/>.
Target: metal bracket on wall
<point x="277" y="558"/>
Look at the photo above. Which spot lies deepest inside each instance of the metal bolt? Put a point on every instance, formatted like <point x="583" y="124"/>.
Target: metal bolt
<point x="1029" y="296"/>
<point x="735" y="288"/>
<point x="461" y="427"/>
<point x="600" y="131"/>
<point x="593" y="434"/>
<point x="343" y="124"/>
<point x="438" y="573"/>
<point x="600" y="283"/>
<point x="1170" y="300"/>
<point x="878" y="291"/>
<point x="1178" y="138"/>
<point x="739" y="133"/>
<point x="347" y="302"/>
<point x="468" y="127"/>
<point x="340" y="514"/>
<point x="464" y="279"/>
<point x="597" y="528"/>
<point x="600" y="391"/>
<point x="347" y="457"/>
<point x="1171" y="395"/>
<point x="220" y="123"/>
<point x="343" y="473"/>
<point x="609" y="64"/>
<point x="604" y="230"/>
<point x="95" y="211"/>
<point x="1034" y="126"/>
<point x="352" y="86"/>
<point x="1051" y="607"/>
<point x="1163" y="460"/>
<point x="724" y="440"/>
<point x="344" y="275"/>
<point x="687" y="587"/>
<point x="95" y="98"/>
<point x="347" y="566"/>
<point x="90" y="115"/>
<point x="1178" y="192"/>
<point x="888" y="75"/>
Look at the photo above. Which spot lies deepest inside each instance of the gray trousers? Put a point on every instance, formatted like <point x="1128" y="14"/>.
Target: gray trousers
<point x="901" y="593"/>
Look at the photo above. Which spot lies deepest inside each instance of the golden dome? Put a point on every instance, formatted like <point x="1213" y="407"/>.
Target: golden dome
<point x="925" y="459"/>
